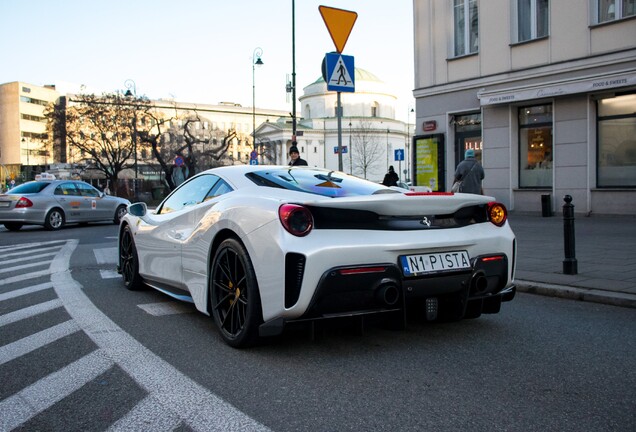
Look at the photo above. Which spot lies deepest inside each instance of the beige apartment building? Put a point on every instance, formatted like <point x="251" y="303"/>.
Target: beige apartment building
<point x="23" y="130"/>
<point x="543" y="91"/>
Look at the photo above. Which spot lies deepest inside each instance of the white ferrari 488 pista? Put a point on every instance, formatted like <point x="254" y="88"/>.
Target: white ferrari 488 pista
<point x="257" y="247"/>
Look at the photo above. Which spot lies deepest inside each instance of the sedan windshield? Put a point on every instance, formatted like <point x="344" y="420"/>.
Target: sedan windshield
<point x="30" y="187"/>
<point x="317" y="181"/>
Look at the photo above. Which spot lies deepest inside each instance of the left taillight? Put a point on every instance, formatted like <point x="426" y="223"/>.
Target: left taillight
<point x="497" y="213"/>
<point x="296" y="219"/>
<point x="24" y="203"/>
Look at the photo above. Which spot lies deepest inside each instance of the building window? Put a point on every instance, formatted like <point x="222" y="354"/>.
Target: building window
<point x="535" y="146"/>
<point x="616" y="128"/>
<point x="33" y="101"/>
<point x="611" y="10"/>
<point x="374" y="109"/>
<point x="466" y="27"/>
<point x="532" y="19"/>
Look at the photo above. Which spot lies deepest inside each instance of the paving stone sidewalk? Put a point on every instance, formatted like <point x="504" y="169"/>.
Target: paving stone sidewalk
<point x="605" y="250"/>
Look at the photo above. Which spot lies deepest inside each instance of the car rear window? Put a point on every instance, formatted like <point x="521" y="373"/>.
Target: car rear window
<point x="30" y="187"/>
<point x="317" y="181"/>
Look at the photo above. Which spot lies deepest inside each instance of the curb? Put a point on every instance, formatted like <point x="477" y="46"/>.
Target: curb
<point x="577" y="293"/>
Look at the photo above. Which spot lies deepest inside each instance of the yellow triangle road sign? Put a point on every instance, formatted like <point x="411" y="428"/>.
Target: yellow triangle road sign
<point x="339" y="23"/>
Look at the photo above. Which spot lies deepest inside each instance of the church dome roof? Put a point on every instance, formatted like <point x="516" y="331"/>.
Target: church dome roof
<point x="361" y="75"/>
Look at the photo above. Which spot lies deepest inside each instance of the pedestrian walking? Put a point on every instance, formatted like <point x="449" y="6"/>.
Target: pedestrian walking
<point x="296" y="160"/>
<point x="468" y="175"/>
<point x="391" y="178"/>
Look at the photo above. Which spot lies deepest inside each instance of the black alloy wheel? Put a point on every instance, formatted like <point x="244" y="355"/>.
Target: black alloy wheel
<point x="128" y="261"/>
<point x="235" y="301"/>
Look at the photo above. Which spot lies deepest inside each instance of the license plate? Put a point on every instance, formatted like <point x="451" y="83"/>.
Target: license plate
<point x="415" y="265"/>
<point x="5" y="203"/>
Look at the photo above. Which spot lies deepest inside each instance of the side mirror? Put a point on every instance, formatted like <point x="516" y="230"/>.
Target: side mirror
<point x="138" y="209"/>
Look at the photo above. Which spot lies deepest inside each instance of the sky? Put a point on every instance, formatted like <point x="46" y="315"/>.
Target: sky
<point x="200" y="51"/>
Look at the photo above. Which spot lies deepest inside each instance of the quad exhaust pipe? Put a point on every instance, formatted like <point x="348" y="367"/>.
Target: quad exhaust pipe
<point x="478" y="283"/>
<point x="388" y="294"/>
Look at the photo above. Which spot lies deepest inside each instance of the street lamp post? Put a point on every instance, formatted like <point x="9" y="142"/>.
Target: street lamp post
<point x="408" y="144"/>
<point x="28" y="164"/>
<point x="130" y="84"/>
<point x="258" y="52"/>
<point x="350" y="152"/>
<point x="387" y="149"/>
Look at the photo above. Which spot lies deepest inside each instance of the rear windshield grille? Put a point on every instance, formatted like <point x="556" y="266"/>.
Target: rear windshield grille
<point x="331" y="218"/>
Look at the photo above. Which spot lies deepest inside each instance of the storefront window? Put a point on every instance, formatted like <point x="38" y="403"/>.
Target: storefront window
<point x="467" y="135"/>
<point x="535" y="146"/>
<point x="617" y="142"/>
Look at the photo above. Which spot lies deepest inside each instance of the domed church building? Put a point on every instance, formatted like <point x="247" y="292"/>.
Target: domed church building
<point x="372" y="138"/>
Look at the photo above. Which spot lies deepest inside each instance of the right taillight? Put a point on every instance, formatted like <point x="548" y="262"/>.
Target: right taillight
<point x="24" y="203"/>
<point x="497" y="213"/>
<point x="296" y="219"/>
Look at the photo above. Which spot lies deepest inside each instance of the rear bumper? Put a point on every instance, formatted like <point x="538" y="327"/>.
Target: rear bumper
<point x="381" y="287"/>
<point x="28" y="218"/>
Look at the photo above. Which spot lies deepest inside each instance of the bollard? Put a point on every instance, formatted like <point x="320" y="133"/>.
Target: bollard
<point x="569" y="263"/>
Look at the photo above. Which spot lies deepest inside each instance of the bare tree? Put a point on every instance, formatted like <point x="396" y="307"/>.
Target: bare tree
<point x="367" y="150"/>
<point x="199" y="146"/>
<point x="101" y="129"/>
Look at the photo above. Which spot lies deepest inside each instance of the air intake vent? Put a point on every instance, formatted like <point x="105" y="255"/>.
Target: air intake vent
<point x="294" y="271"/>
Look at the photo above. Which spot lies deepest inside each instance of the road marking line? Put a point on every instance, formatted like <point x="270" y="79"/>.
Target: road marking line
<point x="106" y="255"/>
<point x="30" y="311"/>
<point x="31" y="343"/>
<point x="24" y="277"/>
<point x="30" y="257"/>
<point x="147" y="415"/>
<point x="109" y="274"/>
<point x="51" y="389"/>
<point x="174" y="392"/>
<point x="32" y="245"/>
<point x="30" y="251"/>
<point x="25" y="266"/>
<point x="164" y="308"/>
<point x="25" y="291"/>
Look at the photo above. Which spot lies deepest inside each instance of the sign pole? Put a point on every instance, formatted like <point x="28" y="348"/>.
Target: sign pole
<point x="339" y="133"/>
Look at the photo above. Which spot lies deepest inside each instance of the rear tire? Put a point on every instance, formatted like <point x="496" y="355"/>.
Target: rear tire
<point x="129" y="262"/>
<point x="234" y="298"/>
<point x="13" y="226"/>
<point x="54" y="219"/>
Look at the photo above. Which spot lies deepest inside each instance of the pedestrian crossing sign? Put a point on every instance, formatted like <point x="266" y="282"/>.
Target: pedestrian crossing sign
<point x="340" y="72"/>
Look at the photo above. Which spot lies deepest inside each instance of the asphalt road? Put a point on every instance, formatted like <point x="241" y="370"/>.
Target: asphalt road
<point x="80" y="352"/>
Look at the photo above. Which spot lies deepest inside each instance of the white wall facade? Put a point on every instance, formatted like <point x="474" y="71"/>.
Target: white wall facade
<point x="578" y="63"/>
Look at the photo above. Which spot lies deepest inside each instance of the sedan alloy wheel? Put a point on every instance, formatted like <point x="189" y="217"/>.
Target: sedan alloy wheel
<point x="54" y="219"/>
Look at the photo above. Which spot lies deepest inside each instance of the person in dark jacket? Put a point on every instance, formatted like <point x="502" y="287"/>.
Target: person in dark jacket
<point x="296" y="160"/>
<point x="470" y="173"/>
<point x="391" y="178"/>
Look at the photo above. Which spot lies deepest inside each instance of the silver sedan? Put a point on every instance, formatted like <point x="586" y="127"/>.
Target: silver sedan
<point x="54" y="203"/>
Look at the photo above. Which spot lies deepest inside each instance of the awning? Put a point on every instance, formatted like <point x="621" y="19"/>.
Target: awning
<point x="554" y="89"/>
